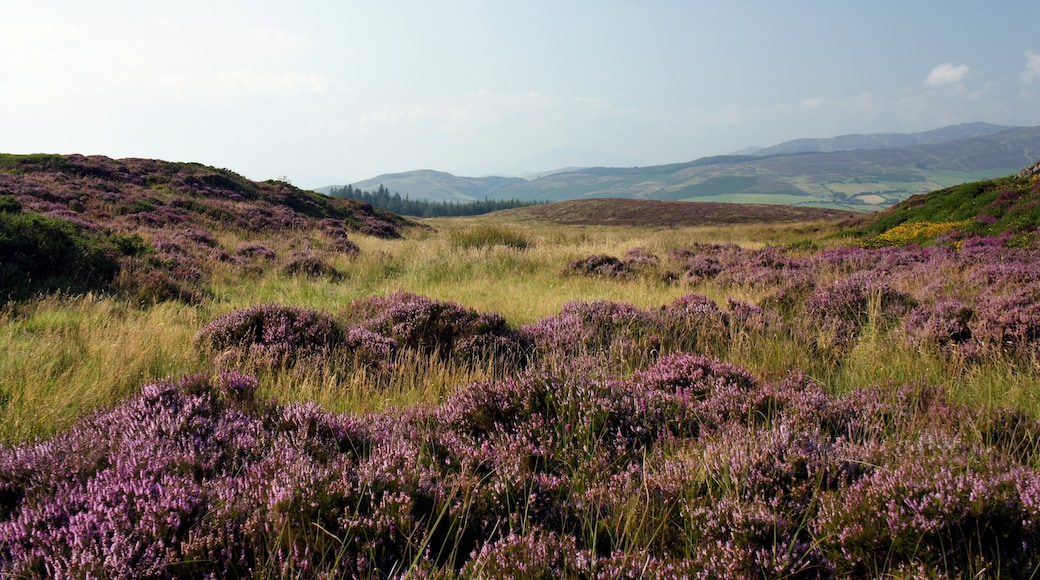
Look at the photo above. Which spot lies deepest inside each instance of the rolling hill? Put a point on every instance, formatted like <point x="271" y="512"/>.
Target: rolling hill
<point x="655" y="213"/>
<point x="1007" y="208"/>
<point x="148" y="228"/>
<point x="861" y="179"/>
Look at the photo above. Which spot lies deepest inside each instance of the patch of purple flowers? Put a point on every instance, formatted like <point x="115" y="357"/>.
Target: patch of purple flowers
<point x="691" y="466"/>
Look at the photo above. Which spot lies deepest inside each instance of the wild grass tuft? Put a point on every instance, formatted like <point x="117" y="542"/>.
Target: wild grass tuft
<point x="489" y="237"/>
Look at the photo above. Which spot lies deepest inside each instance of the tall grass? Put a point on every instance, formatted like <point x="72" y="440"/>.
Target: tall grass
<point x="60" y="356"/>
<point x="64" y="356"/>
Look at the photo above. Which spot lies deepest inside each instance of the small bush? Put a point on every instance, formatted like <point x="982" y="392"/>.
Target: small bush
<point x="10" y="204"/>
<point x="256" y="252"/>
<point x="41" y="253"/>
<point x="270" y="334"/>
<point x="444" y="328"/>
<point x="596" y="327"/>
<point x="600" y="265"/>
<point x="310" y="265"/>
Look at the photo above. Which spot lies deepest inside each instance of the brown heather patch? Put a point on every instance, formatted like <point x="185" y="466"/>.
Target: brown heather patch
<point x="645" y="212"/>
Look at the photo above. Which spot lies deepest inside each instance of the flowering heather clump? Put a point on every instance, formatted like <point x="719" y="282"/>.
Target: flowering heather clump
<point x="770" y="266"/>
<point x="270" y="334"/>
<point x="1006" y="273"/>
<point x="537" y="554"/>
<point x="752" y="319"/>
<point x="697" y="375"/>
<point x="848" y="304"/>
<point x="701" y="267"/>
<point x="595" y="327"/>
<point x="937" y="503"/>
<point x="145" y="284"/>
<point x="938" y="325"/>
<point x="637" y="258"/>
<point x="369" y="348"/>
<point x="1007" y="324"/>
<point x="198" y="237"/>
<point x="696" y="323"/>
<point x="600" y="265"/>
<point x="704" y="261"/>
<point x="373" y="226"/>
<point x="256" y="252"/>
<point x="342" y="245"/>
<point x="309" y="265"/>
<point x="690" y="467"/>
<point x="444" y="328"/>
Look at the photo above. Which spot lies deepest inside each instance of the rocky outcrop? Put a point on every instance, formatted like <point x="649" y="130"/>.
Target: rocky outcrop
<point x="1029" y="172"/>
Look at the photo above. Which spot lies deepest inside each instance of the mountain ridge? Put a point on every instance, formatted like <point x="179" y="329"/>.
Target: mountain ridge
<point x="881" y="140"/>
<point x="859" y="179"/>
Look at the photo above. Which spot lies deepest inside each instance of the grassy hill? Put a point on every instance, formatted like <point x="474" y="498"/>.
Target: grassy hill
<point x="147" y="226"/>
<point x="1008" y="207"/>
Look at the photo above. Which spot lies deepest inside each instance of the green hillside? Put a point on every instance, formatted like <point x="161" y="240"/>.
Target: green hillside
<point x="1009" y="207"/>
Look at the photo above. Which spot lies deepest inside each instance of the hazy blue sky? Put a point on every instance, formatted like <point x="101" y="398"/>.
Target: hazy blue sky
<point x="327" y="92"/>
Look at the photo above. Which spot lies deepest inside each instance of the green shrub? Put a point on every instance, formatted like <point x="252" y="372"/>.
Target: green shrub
<point x="10" y="204"/>
<point x="42" y="253"/>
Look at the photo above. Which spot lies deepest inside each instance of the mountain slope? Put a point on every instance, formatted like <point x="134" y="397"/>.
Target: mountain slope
<point x="881" y="140"/>
<point x="861" y="179"/>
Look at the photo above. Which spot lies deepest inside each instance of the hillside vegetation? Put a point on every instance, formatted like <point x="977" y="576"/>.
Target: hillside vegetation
<point x="1007" y="207"/>
<point x="490" y="397"/>
<point x="153" y="228"/>
<point x="666" y="214"/>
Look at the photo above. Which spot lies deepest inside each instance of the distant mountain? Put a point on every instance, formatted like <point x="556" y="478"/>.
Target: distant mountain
<point x="870" y="176"/>
<point x="862" y="179"/>
<point x="879" y="140"/>
<point x="430" y="185"/>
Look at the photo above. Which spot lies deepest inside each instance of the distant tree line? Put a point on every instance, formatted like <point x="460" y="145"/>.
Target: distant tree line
<point x="382" y="198"/>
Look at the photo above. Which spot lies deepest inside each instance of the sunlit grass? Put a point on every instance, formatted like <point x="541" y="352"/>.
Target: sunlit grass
<point x="61" y="357"/>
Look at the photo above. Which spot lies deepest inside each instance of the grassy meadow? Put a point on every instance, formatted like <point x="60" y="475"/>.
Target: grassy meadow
<point x="63" y="356"/>
<point x="511" y="396"/>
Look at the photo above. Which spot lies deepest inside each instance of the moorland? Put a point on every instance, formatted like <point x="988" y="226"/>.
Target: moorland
<point x="203" y="375"/>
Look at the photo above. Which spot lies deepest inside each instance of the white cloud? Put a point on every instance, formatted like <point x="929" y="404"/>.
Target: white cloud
<point x="947" y="74"/>
<point x="812" y="102"/>
<point x="1032" y="70"/>
<point x="74" y="68"/>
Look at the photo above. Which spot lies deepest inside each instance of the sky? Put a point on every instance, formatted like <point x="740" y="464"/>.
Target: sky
<point x="322" y="92"/>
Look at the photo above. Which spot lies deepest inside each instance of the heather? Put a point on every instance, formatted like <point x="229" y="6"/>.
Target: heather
<point x="152" y="230"/>
<point x="692" y="466"/>
<point x="324" y="400"/>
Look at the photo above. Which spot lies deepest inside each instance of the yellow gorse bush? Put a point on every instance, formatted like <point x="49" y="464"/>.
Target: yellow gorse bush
<point x="917" y="232"/>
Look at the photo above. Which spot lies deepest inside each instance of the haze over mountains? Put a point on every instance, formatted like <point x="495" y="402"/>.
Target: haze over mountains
<point x="861" y="172"/>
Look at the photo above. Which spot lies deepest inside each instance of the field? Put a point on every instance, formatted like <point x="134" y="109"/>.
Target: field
<point x="520" y="395"/>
